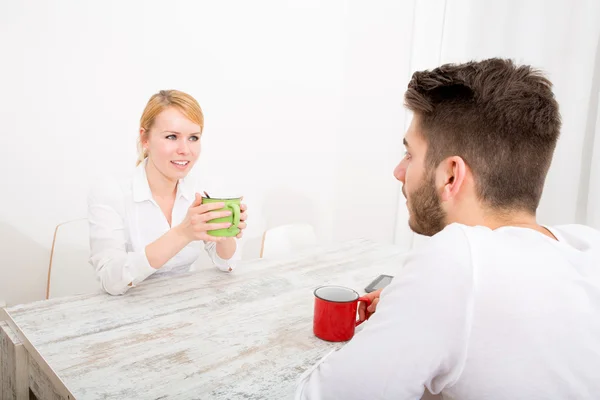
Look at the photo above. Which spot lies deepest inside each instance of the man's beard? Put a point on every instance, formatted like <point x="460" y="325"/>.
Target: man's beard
<point x="426" y="216"/>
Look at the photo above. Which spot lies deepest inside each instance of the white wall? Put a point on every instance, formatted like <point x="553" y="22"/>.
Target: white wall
<point x="302" y="100"/>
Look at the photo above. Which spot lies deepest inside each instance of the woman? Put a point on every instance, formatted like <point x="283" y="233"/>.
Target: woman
<point x="153" y="221"/>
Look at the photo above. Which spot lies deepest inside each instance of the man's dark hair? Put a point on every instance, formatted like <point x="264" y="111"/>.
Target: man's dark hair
<point x="501" y="119"/>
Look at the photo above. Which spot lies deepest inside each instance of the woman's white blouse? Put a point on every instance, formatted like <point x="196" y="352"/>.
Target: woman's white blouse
<point x="124" y="219"/>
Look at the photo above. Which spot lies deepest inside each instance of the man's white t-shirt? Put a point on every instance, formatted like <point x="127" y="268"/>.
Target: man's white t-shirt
<point x="479" y="314"/>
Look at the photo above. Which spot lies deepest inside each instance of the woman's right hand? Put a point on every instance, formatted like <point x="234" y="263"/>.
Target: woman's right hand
<point x="195" y="224"/>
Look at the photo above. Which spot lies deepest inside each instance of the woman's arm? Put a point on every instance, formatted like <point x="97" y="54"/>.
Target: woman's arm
<point x="226" y="249"/>
<point x="224" y="264"/>
<point x="166" y="247"/>
<point x="116" y="268"/>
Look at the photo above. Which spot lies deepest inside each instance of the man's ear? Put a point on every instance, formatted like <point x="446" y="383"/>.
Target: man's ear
<point x="451" y="176"/>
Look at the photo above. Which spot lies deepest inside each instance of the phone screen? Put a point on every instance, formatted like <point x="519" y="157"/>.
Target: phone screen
<point x="383" y="282"/>
<point x="379" y="283"/>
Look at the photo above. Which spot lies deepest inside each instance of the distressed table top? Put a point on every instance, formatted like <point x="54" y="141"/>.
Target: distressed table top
<point x="202" y="335"/>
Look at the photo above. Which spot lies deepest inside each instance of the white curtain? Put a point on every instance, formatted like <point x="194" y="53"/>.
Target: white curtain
<point x="559" y="37"/>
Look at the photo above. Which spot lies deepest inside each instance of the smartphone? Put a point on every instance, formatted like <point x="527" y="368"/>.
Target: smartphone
<point x="379" y="283"/>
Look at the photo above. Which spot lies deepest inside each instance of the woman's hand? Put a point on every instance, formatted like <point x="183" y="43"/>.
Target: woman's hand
<point x="243" y="216"/>
<point x="195" y="226"/>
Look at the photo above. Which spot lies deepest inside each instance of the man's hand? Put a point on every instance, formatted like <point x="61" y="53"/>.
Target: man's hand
<point x="365" y="312"/>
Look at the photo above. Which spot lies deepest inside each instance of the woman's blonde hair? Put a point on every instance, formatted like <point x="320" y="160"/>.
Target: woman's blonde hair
<point x="162" y="100"/>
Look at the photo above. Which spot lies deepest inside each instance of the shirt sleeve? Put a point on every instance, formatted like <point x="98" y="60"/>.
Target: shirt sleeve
<point x="116" y="268"/>
<point x="418" y="336"/>
<point x="223" y="265"/>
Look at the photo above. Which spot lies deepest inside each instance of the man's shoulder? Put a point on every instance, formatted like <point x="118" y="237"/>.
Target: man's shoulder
<point x="449" y="248"/>
<point x="577" y="234"/>
<point x="442" y="264"/>
<point x="453" y="239"/>
<point x="576" y="229"/>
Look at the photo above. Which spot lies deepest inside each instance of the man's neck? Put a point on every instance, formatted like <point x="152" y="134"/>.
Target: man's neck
<point x="518" y="219"/>
<point x="494" y="220"/>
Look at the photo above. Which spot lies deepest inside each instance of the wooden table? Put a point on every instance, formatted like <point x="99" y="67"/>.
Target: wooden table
<point x="202" y="335"/>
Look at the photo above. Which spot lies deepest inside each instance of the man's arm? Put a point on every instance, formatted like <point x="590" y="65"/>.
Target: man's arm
<point x="416" y="339"/>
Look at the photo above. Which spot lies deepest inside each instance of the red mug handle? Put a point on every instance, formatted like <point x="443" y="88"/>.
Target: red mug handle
<point x="368" y="301"/>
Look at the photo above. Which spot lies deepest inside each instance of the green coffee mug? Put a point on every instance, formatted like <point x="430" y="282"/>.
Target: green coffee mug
<point x="232" y="205"/>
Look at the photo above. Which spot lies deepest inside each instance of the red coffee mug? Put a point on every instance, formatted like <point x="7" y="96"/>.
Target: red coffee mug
<point x="335" y="313"/>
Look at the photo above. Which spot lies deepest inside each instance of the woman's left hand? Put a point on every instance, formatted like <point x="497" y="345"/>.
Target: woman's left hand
<point x="243" y="216"/>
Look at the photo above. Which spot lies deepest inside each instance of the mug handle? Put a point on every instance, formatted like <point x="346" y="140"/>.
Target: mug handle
<point x="368" y="301"/>
<point x="235" y="210"/>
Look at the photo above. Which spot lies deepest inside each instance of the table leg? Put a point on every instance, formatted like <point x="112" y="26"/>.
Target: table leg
<point x="41" y="385"/>
<point x="14" y="382"/>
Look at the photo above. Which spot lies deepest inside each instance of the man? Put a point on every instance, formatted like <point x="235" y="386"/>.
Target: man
<point x="494" y="306"/>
